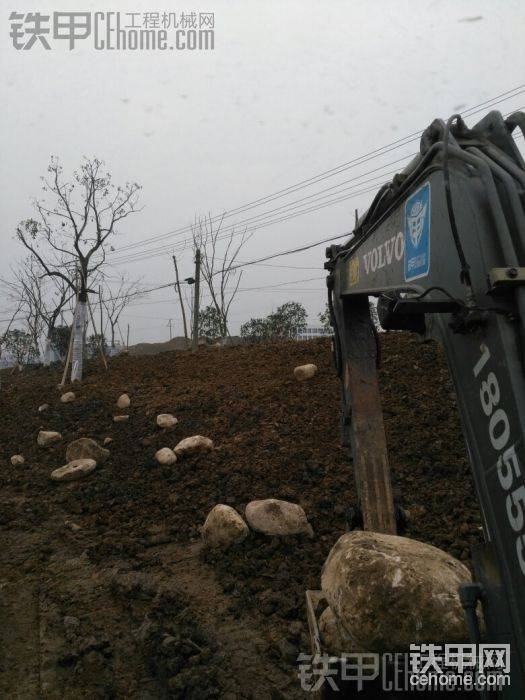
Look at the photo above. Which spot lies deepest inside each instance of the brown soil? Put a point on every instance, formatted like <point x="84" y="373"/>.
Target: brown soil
<point x="104" y="592"/>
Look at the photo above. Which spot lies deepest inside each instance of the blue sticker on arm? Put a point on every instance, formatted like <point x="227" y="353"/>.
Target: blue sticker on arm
<point x="417" y="234"/>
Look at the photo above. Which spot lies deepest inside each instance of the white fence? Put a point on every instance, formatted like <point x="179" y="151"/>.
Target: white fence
<point x="311" y="332"/>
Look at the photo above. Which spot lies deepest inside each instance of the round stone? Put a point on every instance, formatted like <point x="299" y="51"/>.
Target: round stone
<point x="123" y="402"/>
<point x="166" y="420"/>
<point x="224" y="527"/>
<point x="48" y="437"/>
<point x="77" y="469"/>
<point x="304" y="372"/>
<point x="196" y="444"/>
<point x="165" y="456"/>
<point x="275" y="517"/>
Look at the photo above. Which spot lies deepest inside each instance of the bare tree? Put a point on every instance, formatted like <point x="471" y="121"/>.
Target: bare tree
<point x="12" y="318"/>
<point x="32" y="294"/>
<point x="70" y="234"/>
<point x="116" y="300"/>
<point x="42" y="303"/>
<point x="20" y="344"/>
<point x="217" y="271"/>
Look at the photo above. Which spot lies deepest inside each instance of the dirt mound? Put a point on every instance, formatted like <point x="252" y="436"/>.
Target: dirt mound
<point x="178" y="343"/>
<point x="109" y="549"/>
<point x="154" y="348"/>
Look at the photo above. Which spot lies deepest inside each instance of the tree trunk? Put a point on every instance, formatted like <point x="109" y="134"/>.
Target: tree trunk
<point x="79" y="329"/>
<point x="47" y="351"/>
<point x="78" y="341"/>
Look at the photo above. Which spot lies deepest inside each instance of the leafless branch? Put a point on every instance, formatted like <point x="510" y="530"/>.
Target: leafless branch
<point x="218" y="271"/>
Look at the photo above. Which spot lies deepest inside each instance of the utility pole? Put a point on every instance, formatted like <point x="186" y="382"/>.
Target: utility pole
<point x="177" y="283"/>
<point x="196" y="300"/>
<point x="169" y="324"/>
<point x="127" y="338"/>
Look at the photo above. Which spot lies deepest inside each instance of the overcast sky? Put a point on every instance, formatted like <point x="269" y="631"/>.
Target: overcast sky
<point x="292" y="89"/>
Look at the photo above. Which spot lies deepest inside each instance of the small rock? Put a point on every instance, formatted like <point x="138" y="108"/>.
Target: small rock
<point x="166" y="420"/>
<point x="72" y="526"/>
<point x="47" y="437"/>
<point x="193" y="445"/>
<point x="43" y="407"/>
<point x="165" y="456"/>
<point x="304" y="372"/>
<point x="68" y="397"/>
<point x="274" y="517"/>
<point x="108" y="440"/>
<point x="123" y="401"/>
<point x="120" y="419"/>
<point x="86" y="448"/>
<point x="17" y="460"/>
<point x="224" y="527"/>
<point x="76" y="469"/>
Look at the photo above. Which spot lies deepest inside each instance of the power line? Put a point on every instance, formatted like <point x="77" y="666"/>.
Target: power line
<point x="181" y="246"/>
<point x="356" y="180"/>
<point x="241" y="289"/>
<point x="502" y="97"/>
<point x="293" y="250"/>
<point x="139" y="255"/>
<point x="156" y="252"/>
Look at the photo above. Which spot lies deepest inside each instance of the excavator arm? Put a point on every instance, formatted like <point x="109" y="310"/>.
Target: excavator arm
<point x="442" y="248"/>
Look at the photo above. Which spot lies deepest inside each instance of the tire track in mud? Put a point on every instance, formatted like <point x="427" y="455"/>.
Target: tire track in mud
<point x="247" y="672"/>
<point x="19" y="622"/>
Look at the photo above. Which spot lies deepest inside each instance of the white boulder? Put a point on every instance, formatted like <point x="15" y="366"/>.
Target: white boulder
<point x="166" y="420"/>
<point x="68" y="397"/>
<point x="123" y="402"/>
<point x="388" y="592"/>
<point x="304" y="372"/>
<point x="77" y="469"/>
<point x="274" y="517"/>
<point x="196" y="444"/>
<point x="120" y="419"/>
<point x="17" y="460"/>
<point x="48" y="437"/>
<point x="165" y="456"/>
<point x="223" y="527"/>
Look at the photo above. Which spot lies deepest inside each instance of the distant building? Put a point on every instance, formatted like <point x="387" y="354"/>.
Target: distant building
<point x="111" y="352"/>
<point x="311" y="332"/>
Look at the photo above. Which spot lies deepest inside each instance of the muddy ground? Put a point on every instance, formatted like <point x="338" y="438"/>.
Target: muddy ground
<point x="104" y="589"/>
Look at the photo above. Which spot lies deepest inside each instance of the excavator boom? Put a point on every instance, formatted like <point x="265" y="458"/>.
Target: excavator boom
<point x="442" y="248"/>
